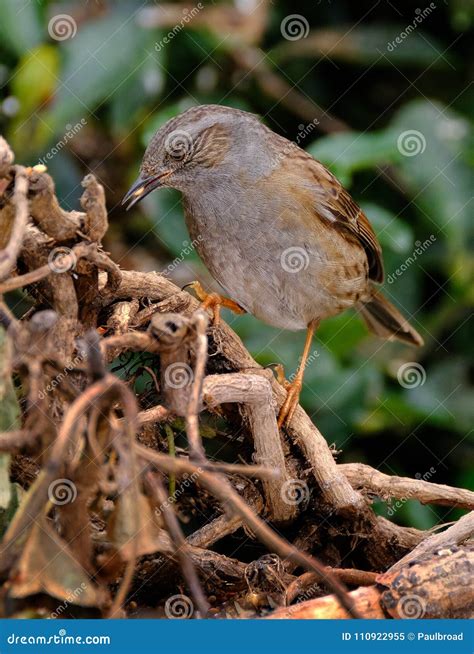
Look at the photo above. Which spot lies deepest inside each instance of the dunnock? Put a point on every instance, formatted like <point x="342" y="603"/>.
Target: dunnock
<point x="274" y="227"/>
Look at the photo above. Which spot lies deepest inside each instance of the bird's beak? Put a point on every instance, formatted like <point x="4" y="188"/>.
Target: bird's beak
<point x="143" y="186"/>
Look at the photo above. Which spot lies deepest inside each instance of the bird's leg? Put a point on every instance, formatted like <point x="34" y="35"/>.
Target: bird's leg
<point x="294" y="388"/>
<point x="214" y="301"/>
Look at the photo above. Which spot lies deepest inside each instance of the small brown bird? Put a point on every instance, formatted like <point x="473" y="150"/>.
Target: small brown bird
<point x="274" y="227"/>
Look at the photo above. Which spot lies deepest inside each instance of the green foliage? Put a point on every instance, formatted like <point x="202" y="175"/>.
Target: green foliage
<point x="9" y="420"/>
<point x="407" y="158"/>
<point x="20" y="33"/>
<point x="351" y="152"/>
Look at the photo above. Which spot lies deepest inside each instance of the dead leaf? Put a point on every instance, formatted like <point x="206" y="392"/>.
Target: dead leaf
<point x="129" y="519"/>
<point x="47" y="566"/>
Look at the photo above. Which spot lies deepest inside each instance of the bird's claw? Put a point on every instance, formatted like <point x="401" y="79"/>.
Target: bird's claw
<point x="289" y="406"/>
<point x="279" y="371"/>
<point x="213" y="301"/>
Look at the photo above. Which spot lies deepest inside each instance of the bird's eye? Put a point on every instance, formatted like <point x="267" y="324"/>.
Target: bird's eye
<point x="179" y="146"/>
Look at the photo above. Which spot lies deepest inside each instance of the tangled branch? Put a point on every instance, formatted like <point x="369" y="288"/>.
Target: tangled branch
<point x="110" y="441"/>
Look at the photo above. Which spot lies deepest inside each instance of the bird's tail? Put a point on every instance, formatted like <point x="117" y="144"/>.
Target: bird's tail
<point x="386" y="321"/>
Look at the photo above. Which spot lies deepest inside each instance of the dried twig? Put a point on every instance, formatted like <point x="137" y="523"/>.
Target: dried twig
<point x="363" y="477"/>
<point x="180" y="545"/>
<point x="196" y="447"/>
<point x="80" y="416"/>
<point x="221" y="489"/>
<point x="435" y="585"/>
<point x="9" y="255"/>
<point x="458" y="533"/>
<point x="254" y="394"/>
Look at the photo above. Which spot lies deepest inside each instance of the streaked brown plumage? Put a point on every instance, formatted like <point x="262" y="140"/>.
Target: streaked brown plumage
<point x="275" y="228"/>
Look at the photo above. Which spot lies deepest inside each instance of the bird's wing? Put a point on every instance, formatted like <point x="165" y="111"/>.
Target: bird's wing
<point x="334" y="205"/>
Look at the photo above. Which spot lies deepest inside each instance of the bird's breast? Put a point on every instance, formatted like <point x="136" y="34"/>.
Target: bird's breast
<point x="260" y="250"/>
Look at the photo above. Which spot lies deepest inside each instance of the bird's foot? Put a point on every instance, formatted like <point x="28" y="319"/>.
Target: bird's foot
<point x="214" y="301"/>
<point x="292" y="399"/>
<point x="279" y="371"/>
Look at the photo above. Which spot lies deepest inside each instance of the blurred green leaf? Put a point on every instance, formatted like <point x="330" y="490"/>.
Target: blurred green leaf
<point x="35" y="77"/>
<point x="9" y="406"/>
<point x="363" y="76"/>
<point x="33" y="85"/>
<point x="431" y="137"/>
<point x="445" y="398"/>
<point x="462" y="14"/>
<point x="368" y="44"/>
<point x="348" y="152"/>
<point x="391" y="231"/>
<point x="20" y="26"/>
<point x="98" y="61"/>
<point x="9" y="421"/>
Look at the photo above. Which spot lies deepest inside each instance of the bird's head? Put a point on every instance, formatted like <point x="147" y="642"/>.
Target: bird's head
<point x="202" y="145"/>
